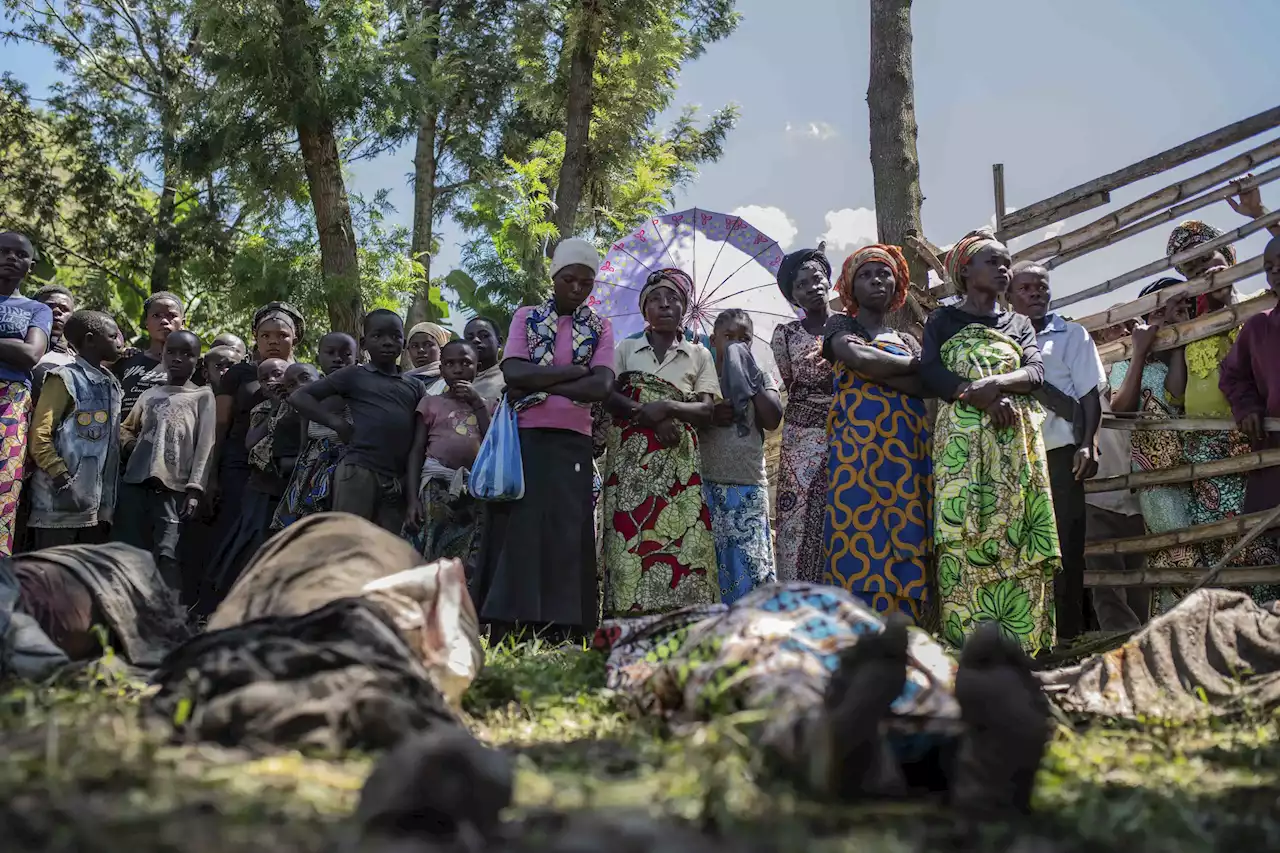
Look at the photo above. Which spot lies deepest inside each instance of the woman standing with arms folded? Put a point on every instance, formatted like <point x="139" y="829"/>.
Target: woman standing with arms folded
<point x="994" y="528"/>
<point x="804" y="277"/>
<point x="880" y="485"/>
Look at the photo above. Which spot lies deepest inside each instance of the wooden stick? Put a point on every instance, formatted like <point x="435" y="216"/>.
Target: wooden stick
<point x="997" y="178"/>
<point x="1170" y="261"/>
<point x="1236" y="526"/>
<point x="1262" y="525"/>
<point x="1172" y="337"/>
<point x="1144" y="305"/>
<point x="1150" y="203"/>
<point x="1164" y="216"/>
<point x="932" y="256"/>
<point x="1165" y="160"/>
<point x="1110" y="421"/>
<point x="1084" y="205"/>
<point x="1238" y="576"/>
<point x="1185" y="473"/>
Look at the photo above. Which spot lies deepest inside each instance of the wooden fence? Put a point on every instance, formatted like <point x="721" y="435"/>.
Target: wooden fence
<point x="1165" y="206"/>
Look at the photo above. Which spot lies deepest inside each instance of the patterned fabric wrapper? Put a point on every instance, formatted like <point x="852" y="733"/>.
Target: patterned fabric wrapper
<point x="450" y="526"/>
<point x="879" y="508"/>
<point x="657" y="552"/>
<point x="892" y="257"/>
<point x="744" y="546"/>
<point x="994" y="528"/>
<point x="772" y="652"/>
<point x="15" y="409"/>
<point x="311" y="484"/>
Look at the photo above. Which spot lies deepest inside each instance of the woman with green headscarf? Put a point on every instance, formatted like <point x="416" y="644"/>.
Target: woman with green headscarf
<point x="994" y="531"/>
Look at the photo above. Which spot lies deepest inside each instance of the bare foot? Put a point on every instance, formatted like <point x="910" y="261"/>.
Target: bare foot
<point x="870" y="677"/>
<point x="1006" y="720"/>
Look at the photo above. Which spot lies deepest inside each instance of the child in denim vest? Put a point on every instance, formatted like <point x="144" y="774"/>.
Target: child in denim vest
<point x="75" y="438"/>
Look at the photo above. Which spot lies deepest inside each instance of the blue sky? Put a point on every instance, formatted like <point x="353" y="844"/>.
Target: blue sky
<point x="1060" y="92"/>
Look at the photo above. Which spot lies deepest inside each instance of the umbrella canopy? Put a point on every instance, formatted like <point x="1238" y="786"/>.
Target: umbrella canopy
<point x="732" y="264"/>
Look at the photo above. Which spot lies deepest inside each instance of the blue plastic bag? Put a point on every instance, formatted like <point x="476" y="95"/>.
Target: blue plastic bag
<point x="498" y="473"/>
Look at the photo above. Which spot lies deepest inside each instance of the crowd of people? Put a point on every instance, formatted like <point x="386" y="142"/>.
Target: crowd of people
<point x="940" y="479"/>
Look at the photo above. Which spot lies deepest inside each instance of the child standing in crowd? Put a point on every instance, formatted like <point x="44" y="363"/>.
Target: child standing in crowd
<point x="25" y="325"/>
<point x="215" y="365"/>
<point x="311" y="485"/>
<point x="422" y="346"/>
<point x="167" y="440"/>
<point x="61" y="303"/>
<point x="162" y="315"/>
<point x="485" y="337"/>
<point x="75" y="438"/>
<point x="733" y="472"/>
<point x="226" y="339"/>
<point x="442" y="514"/>
<point x="368" y="481"/>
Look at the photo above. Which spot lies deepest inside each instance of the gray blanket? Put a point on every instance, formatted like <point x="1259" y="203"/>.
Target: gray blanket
<point x="1216" y="653"/>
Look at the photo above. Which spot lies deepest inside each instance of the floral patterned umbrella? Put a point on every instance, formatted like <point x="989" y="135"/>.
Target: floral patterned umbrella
<point x="732" y="264"/>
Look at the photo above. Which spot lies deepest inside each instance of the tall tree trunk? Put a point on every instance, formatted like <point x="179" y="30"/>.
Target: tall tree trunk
<point x="166" y="240"/>
<point x="895" y="166"/>
<point x="577" y="134"/>
<point x="338" y="262"/>
<point x="425" y="165"/>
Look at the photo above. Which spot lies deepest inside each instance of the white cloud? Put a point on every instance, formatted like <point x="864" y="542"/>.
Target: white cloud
<point x="816" y="130"/>
<point x="849" y="229"/>
<point x="772" y="221"/>
<point x="1053" y="231"/>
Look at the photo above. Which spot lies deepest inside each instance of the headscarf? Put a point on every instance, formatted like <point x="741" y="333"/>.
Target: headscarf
<point x="962" y="252"/>
<point x="1192" y="233"/>
<point x="1158" y="285"/>
<point x="574" y="250"/>
<point x="675" y="280"/>
<point x="285" y="313"/>
<point x="889" y="255"/>
<point x="789" y="269"/>
<point x="440" y="333"/>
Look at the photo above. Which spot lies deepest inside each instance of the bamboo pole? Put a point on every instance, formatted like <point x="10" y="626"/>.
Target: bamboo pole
<point x="1150" y="203"/>
<point x="1110" y="421"/>
<point x="1176" y="212"/>
<point x="1236" y="526"/>
<point x="1185" y="473"/>
<point x="1196" y="329"/>
<point x="1171" y="261"/>
<point x="1143" y="305"/>
<point x="1084" y="205"/>
<point x="997" y="178"/>
<point x="1235" y="576"/>
<point x="1186" y="152"/>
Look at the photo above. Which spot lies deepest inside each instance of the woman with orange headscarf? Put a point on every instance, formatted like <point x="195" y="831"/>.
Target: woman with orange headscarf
<point x="879" y="513"/>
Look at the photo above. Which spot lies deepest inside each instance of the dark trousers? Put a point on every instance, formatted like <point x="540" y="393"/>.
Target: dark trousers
<point x="1068" y="511"/>
<point x="369" y="494"/>
<point x="52" y="537"/>
<point x="147" y="518"/>
<point x="1119" y="608"/>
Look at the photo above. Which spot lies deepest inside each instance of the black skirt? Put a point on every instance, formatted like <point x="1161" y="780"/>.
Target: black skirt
<point x="538" y="559"/>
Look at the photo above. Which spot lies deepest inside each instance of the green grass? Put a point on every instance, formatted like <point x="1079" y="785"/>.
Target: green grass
<point x="82" y="770"/>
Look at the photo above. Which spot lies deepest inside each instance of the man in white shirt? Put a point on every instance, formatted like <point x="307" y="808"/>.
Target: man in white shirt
<point x="1073" y="377"/>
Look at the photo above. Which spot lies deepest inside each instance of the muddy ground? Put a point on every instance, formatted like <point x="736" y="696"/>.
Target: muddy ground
<point x="82" y="769"/>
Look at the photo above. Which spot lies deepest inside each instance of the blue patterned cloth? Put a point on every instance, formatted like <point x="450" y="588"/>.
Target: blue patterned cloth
<point x="744" y="548"/>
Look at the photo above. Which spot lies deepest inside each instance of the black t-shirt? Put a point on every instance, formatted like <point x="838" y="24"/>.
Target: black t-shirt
<point x="137" y="373"/>
<point x="382" y="415"/>
<point x="943" y="325"/>
<point x="240" y="384"/>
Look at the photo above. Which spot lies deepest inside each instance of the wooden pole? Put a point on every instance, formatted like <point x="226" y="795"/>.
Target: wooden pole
<point x="1144" y="305"/>
<point x="932" y="256"/>
<point x="1207" y="326"/>
<point x="1084" y="205"/>
<point x="1176" y="212"/>
<point x="1110" y="421"/>
<point x="1236" y="576"/>
<point x="1186" y="473"/>
<point x="1170" y="261"/>
<point x="997" y="178"/>
<point x="1150" y="203"/>
<point x="1236" y="526"/>
<point x="1200" y="146"/>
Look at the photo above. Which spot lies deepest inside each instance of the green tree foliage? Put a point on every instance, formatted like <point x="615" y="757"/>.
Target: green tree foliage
<point x="632" y="166"/>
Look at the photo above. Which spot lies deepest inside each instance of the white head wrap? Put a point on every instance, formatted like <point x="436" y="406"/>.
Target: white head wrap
<point x="572" y="251"/>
